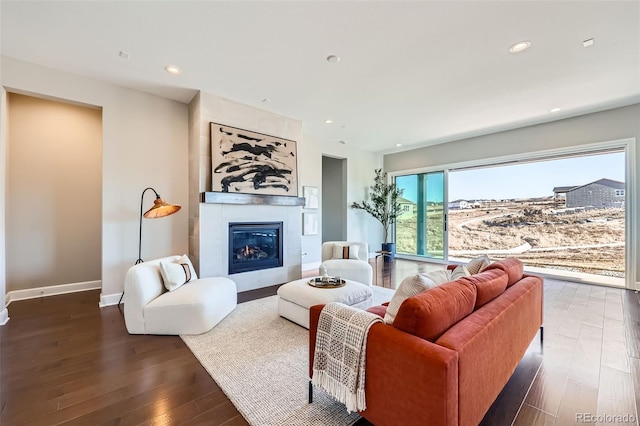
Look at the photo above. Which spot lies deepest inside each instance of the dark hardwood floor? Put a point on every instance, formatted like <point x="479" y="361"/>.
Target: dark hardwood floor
<point x="63" y="360"/>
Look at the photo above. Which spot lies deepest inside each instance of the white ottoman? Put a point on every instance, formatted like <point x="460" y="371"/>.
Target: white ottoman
<point x="296" y="297"/>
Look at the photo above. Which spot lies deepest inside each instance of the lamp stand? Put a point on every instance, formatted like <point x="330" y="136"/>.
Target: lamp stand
<point x="140" y="233"/>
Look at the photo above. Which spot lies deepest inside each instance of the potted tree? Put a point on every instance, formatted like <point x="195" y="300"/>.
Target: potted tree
<point x="383" y="206"/>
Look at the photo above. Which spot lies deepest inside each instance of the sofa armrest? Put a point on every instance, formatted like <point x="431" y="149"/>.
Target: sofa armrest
<point x="314" y="316"/>
<point x="409" y="381"/>
<point x="142" y="284"/>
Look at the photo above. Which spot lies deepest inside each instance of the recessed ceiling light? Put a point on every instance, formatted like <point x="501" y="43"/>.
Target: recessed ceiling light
<point x="520" y="47"/>
<point x="554" y="110"/>
<point x="343" y="142"/>
<point x="173" y="69"/>
<point x="398" y="144"/>
<point x="333" y="59"/>
<point x="587" y="43"/>
<point x="328" y="121"/>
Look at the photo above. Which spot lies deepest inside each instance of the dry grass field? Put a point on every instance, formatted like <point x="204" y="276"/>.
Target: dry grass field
<point x="536" y="231"/>
<point x="542" y="235"/>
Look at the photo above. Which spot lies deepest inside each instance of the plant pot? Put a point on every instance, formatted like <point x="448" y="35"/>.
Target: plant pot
<point x="390" y="247"/>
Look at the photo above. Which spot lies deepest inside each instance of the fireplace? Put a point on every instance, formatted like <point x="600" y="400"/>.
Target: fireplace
<point x="254" y="246"/>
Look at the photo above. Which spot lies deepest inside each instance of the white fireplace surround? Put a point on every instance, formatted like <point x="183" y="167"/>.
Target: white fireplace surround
<point x="214" y="242"/>
<point x="209" y="216"/>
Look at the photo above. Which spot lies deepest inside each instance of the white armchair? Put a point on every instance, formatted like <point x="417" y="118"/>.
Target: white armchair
<point x="347" y="259"/>
<point x="193" y="308"/>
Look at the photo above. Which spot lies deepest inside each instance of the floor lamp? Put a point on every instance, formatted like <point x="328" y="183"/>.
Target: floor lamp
<point x="160" y="209"/>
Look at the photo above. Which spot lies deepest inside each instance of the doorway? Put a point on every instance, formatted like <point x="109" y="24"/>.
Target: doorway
<point x="54" y="196"/>
<point x="334" y="199"/>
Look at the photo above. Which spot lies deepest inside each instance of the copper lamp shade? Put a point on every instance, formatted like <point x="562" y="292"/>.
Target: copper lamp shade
<point x="161" y="209"/>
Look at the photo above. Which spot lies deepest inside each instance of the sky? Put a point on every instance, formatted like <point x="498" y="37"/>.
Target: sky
<point x="535" y="179"/>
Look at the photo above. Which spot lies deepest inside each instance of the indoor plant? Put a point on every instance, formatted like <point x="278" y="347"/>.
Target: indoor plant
<point x="383" y="206"/>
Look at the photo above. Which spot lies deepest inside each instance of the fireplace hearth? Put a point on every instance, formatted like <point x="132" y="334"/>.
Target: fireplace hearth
<point x="254" y="246"/>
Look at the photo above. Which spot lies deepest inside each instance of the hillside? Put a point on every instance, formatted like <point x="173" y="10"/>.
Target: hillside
<point x="536" y="232"/>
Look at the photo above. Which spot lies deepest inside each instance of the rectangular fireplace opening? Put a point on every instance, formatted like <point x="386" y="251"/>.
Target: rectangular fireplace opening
<point x="254" y="246"/>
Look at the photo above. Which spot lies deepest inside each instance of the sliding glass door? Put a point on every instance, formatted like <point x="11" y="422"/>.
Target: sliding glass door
<point x="421" y="227"/>
<point x="564" y="214"/>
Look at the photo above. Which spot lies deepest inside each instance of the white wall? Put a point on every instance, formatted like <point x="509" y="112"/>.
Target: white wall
<point x="144" y="144"/>
<point x="615" y="124"/>
<point x="360" y="174"/>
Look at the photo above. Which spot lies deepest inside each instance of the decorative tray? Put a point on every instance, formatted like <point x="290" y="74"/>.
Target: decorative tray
<point x="326" y="282"/>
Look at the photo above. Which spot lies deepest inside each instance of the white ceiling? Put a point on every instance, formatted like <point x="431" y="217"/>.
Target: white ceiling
<point x="415" y="73"/>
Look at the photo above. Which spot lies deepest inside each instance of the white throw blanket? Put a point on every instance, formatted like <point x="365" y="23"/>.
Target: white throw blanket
<point x="340" y="353"/>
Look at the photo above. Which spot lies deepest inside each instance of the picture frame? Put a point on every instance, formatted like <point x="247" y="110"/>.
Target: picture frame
<point x="310" y="194"/>
<point x="310" y="224"/>
<point x="248" y="162"/>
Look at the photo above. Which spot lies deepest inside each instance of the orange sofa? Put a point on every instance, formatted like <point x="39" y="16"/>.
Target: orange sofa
<point x="450" y="350"/>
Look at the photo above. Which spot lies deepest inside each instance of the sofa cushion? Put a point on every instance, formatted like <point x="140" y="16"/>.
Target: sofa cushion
<point x="354" y="270"/>
<point x="194" y="308"/>
<point x="512" y="266"/>
<point x="477" y="265"/>
<point x="429" y="314"/>
<point x="345" y="251"/>
<point x="412" y="285"/>
<point x="489" y="285"/>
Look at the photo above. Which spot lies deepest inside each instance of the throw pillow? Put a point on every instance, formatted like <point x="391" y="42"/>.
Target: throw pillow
<point x="345" y="252"/>
<point x="185" y="259"/>
<point x="175" y="274"/>
<point x="459" y="272"/>
<point x="412" y="285"/>
<point x="439" y="276"/>
<point x="477" y="265"/>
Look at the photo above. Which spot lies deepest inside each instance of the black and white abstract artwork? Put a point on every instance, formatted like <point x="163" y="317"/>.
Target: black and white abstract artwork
<point x="246" y="162"/>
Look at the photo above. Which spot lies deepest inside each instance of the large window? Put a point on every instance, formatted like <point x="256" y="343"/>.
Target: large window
<point x="420" y="229"/>
<point x="561" y="214"/>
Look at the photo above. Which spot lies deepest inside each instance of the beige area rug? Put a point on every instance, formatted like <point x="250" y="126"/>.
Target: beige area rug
<point x="260" y="361"/>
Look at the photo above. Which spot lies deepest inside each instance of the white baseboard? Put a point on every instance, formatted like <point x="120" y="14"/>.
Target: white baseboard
<point x="4" y="316"/>
<point x="109" y="299"/>
<point x="32" y="293"/>
<point x="309" y="266"/>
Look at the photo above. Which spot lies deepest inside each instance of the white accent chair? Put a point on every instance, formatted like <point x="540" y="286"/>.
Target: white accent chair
<point x="358" y="269"/>
<point x="193" y="308"/>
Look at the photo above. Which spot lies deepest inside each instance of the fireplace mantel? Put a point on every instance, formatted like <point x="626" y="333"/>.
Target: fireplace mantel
<point x="270" y="200"/>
